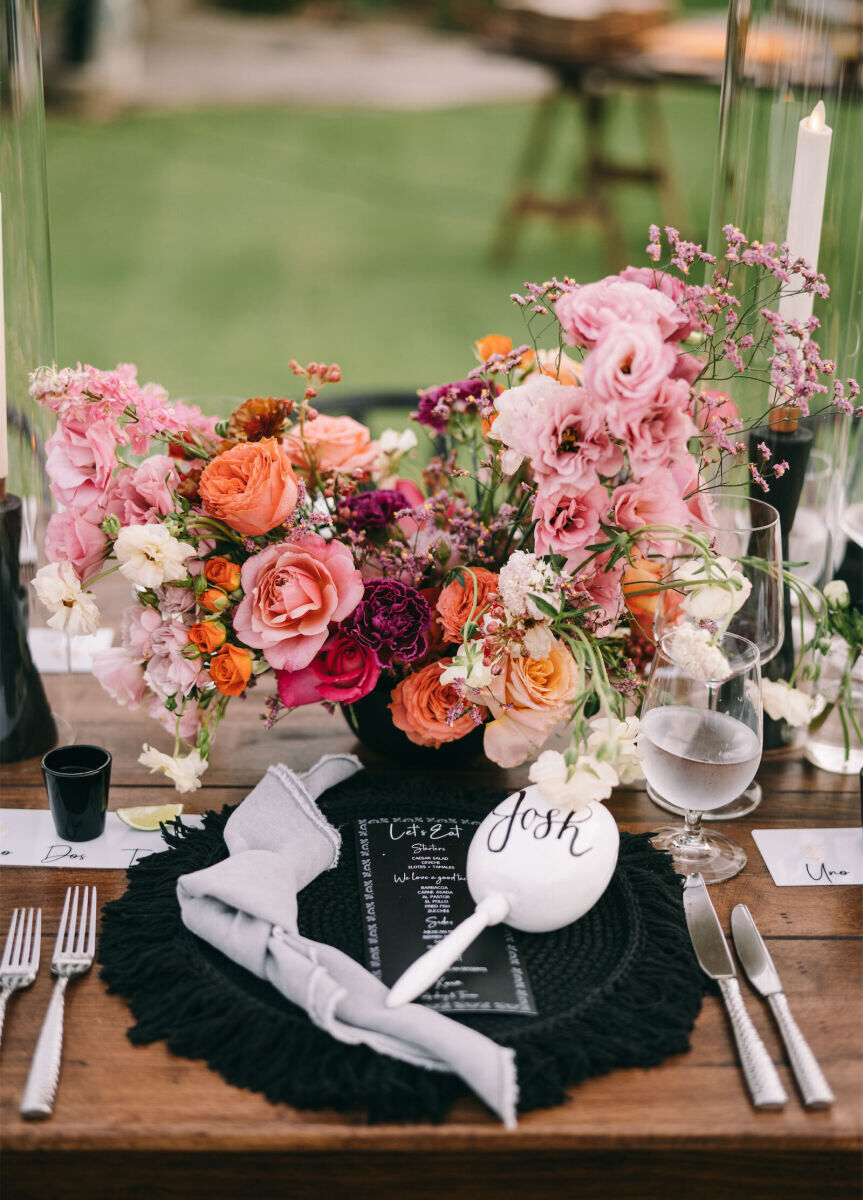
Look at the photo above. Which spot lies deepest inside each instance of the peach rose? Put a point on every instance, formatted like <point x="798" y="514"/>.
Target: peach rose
<point x="456" y="602"/>
<point x="292" y="593"/>
<point x="231" y="669"/>
<point x="527" y="701"/>
<point x="420" y="706"/>
<point x="331" y="444"/>
<point x="250" y="487"/>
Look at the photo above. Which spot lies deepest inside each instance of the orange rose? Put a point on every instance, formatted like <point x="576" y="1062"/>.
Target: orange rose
<point x="641" y="602"/>
<point x="528" y="700"/>
<point x="420" y="706"/>
<point x="250" y="487"/>
<point x="456" y="601"/>
<point x="207" y="636"/>
<point x="231" y="669"/>
<point x="331" y="444"/>
<point x="213" y="600"/>
<point x="222" y="572"/>
<point x="495" y="343"/>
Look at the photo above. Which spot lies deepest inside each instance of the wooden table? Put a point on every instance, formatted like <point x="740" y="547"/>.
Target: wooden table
<point x="133" y="1122"/>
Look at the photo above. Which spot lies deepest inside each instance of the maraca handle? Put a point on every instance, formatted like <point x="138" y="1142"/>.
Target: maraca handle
<point x="421" y="974"/>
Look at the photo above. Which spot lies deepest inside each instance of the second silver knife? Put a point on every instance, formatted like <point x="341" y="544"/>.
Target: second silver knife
<point x="758" y="965"/>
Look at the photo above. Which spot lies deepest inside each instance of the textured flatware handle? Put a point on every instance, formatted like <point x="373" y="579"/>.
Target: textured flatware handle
<point x="763" y="1081"/>
<point x="4" y="996"/>
<point x="41" y="1086"/>
<point x="814" y="1088"/>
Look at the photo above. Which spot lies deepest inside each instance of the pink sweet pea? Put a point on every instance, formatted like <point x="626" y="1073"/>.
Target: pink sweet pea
<point x="342" y="672"/>
<point x="663" y="431"/>
<point x="568" y="442"/>
<point x="76" y="536"/>
<point x="589" y="311"/>
<point x="568" y="520"/>
<point x="80" y="459"/>
<point x="139" y="623"/>
<point x="655" y="500"/>
<point x="625" y="370"/>
<point x="120" y="676"/>
<point x="292" y="593"/>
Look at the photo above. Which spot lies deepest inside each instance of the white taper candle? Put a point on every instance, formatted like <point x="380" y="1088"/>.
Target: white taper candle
<point x="806" y="208"/>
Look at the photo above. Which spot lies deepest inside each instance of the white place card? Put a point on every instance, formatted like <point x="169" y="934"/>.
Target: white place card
<point x="28" y="839"/>
<point x="812" y="857"/>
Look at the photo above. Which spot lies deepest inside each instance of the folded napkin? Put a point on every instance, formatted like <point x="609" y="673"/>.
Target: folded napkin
<point x="246" y="906"/>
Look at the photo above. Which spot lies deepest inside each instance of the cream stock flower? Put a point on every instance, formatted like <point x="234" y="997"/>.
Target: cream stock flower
<point x="149" y="555"/>
<point x="693" y="649"/>
<point x="72" y="610"/>
<point x="616" y="742"/>
<point x="184" y="770"/>
<point x="723" y="588"/>
<point x="572" y="788"/>
<point x="782" y="702"/>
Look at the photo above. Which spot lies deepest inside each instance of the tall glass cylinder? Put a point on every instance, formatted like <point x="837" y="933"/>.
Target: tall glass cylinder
<point x="782" y="58"/>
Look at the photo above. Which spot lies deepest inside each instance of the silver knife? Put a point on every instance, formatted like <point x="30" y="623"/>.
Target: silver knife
<point x="711" y="950"/>
<point x="758" y="965"/>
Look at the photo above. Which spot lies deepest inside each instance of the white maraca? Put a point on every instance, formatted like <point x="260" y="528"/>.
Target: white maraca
<point x="530" y="864"/>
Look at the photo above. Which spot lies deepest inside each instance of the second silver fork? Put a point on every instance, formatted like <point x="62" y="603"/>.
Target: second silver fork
<point x="20" y="963"/>
<point x="73" y="955"/>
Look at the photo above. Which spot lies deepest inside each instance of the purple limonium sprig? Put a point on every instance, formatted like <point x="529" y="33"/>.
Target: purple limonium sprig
<point x="439" y="403"/>
<point x="392" y="619"/>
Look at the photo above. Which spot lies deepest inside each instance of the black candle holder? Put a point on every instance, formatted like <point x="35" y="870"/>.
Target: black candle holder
<point x="27" y="726"/>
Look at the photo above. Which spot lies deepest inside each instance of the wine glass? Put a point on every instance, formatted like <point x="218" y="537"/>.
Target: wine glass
<point x="700" y="742"/>
<point x="746" y="530"/>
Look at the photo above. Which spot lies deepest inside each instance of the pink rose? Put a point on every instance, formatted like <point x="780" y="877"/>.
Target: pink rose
<point x="343" y="671"/>
<point x="670" y="285"/>
<point x="76" y="536"/>
<point x="655" y="500"/>
<point x="173" y="671"/>
<point x="519" y="411"/>
<point x="139" y="625"/>
<point x="589" y="311"/>
<point x="331" y="444"/>
<point x="292" y="593"/>
<point x="663" y="431"/>
<point x="568" y="442"/>
<point x="568" y="519"/>
<point x="625" y="370"/>
<point x="145" y="491"/>
<point x="120" y="676"/>
<point x="80" y="459"/>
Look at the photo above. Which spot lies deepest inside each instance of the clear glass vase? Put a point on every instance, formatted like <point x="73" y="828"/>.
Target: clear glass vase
<point x="834" y="740"/>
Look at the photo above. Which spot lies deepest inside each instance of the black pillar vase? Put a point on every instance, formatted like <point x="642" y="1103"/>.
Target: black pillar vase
<point x="372" y="722"/>
<point x="27" y="727"/>
<point x="793" y="446"/>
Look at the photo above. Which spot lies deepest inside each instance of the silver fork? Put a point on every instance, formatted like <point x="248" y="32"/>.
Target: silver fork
<point x="20" y="962"/>
<point x="73" y="955"/>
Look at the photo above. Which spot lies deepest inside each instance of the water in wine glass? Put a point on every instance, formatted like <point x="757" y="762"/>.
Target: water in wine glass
<point x="696" y="758"/>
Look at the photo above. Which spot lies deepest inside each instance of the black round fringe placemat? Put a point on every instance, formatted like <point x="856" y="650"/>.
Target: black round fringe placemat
<point x="618" y="988"/>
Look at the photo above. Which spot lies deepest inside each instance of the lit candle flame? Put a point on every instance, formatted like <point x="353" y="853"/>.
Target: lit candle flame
<point x="817" y="119"/>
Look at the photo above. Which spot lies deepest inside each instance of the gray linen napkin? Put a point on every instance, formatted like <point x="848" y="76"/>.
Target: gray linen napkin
<point x="246" y="906"/>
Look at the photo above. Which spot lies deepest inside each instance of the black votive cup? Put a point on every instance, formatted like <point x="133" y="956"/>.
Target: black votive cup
<point x="77" y="779"/>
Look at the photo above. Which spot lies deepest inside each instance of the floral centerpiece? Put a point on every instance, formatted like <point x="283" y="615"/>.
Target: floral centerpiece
<point x="509" y="585"/>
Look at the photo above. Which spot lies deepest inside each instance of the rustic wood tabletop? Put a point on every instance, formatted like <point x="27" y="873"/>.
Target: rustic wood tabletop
<point x="134" y="1121"/>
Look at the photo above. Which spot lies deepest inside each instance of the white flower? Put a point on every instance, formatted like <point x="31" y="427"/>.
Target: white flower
<point x="150" y="556"/>
<point x="615" y="741"/>
<point x="724" y="590"/>
<point x="782" y="702"/>
<point x="184" y="770"/>
<point x="72" y="609"/>
<point x="538" y="641"/>
<point x="521" y="576"/>
<point x="694" y="651"/>
<point x="392" y="447"/>
<point x="574" y="787"/>
<point x="467" y="667"/>
<point x="836" y="594"/>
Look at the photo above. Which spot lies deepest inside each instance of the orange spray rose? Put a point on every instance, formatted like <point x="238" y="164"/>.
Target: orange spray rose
<point x="231" y="669"/>
<point x="208" y="636"/>
<point x="222" y="572"/>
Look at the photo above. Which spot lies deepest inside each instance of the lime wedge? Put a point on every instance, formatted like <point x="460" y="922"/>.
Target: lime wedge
<point x="149" y="816"/>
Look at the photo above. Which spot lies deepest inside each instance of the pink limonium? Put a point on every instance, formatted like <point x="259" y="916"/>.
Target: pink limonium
<point x="654" y="500"/>
<point x="81" y="457"/>
<point x="663" y="431"/>
<point x="625" y="370"/>
<point x="586" y="313"/>
<point x="568" y="519"/>
<point x="76" y="536"/>
<point x="569" y="442"/>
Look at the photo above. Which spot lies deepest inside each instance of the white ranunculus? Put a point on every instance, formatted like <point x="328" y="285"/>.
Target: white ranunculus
<point x="572" y="788"/>
<point x="538" y="641"/>
<point x="72" y="610"/>
<point x="836" y="594"/>
<point x="467" y="667"/>
<point x="149" y="556"/>
<point x="616" y="742"/>
<point x="782" y="702"/>
<point x="184" y="770"/>
<point x="724" y="588"/>
<point x="694" y="651"/>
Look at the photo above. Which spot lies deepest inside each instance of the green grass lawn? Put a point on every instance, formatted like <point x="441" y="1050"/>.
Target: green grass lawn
<point x="212" y="247"/>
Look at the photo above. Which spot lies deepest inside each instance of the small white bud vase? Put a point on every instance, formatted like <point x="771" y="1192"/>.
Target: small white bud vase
<point x="531" y="864"/>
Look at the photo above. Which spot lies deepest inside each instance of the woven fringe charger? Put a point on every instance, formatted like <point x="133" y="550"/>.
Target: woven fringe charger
<point x="618" y="988"/>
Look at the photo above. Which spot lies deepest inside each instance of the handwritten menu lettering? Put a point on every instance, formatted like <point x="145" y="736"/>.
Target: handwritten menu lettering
<point x="414" y="891"/>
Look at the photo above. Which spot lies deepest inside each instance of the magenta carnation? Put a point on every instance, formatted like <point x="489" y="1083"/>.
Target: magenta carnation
<point x="392" y="619"/>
